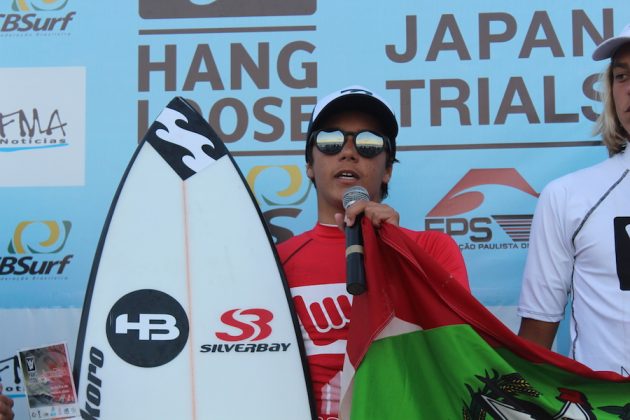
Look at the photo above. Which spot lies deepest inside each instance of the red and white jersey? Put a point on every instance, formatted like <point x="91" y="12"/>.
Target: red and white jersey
<point x="315" y="267"/>
<point x="580" y="245"/>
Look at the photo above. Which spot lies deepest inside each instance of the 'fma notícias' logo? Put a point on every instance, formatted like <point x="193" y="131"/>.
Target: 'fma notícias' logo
<point x="22" y="129"/>
<point x="36" y="17"/>
<point x="243" y="329"/>
<point x="42" y="135"/>
<point x="168" y="9"/>
<point x="34" y="250"/>
<point x="448" y="215"/>
<point x="147" y="328"/>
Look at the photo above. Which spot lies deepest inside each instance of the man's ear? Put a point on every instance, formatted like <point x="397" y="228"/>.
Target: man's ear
<point x="387" y="176"/>
<point x="309" y="171"/>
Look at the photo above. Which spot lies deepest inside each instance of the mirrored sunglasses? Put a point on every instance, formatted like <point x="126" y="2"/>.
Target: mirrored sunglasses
<point x="367" y="143"/>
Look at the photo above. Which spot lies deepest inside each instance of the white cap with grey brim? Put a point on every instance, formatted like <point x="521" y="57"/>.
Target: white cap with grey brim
<point x="609" y="47"/>
<point x="354" y="98"/>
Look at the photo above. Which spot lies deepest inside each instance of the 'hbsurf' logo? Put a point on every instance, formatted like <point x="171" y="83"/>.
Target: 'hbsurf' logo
<point x="32" y="250"/>
<point x="39" y="17"/>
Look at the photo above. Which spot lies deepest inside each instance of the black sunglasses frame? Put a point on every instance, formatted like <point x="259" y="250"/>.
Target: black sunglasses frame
<point x="386" y="142"/>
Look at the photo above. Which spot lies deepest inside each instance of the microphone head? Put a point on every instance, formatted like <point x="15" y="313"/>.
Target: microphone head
<point x="354" y="194"/>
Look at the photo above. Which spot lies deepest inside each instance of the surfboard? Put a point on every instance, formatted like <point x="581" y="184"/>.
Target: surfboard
<point x="187" y="313"/>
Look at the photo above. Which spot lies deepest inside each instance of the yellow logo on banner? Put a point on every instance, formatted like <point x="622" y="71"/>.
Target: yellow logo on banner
<point x="39" y="5"/>
<point x="27" y="234"/>
<point x="295" y="182"/>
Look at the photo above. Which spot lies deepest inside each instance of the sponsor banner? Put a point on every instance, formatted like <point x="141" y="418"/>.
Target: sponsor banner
<point x="28" y="328"/>
<point x="494" y="99"/>
<point x="42" y="127"/>
<point x="38" y="262"/>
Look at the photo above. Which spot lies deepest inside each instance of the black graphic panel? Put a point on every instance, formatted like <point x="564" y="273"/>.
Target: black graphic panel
<point x="184" y="139"/>
<point x="622" y="250"/>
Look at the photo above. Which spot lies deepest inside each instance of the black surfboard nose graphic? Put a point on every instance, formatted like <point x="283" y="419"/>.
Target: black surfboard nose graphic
<point x="622" y="250"/>
<point x="184" y="139"/>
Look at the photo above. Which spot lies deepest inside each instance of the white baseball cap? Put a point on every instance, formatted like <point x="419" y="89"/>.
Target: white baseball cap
<point x="609" y="47"/>
<point x="359" y="98"/>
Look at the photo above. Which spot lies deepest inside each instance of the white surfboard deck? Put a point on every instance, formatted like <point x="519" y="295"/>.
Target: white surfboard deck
<point x="187" y="314"/>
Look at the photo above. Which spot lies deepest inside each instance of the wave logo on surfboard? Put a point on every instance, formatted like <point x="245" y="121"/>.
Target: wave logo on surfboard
<point x="184" y="139"/>
<point x="147" y="328"/>
<point x="252" y="324"/>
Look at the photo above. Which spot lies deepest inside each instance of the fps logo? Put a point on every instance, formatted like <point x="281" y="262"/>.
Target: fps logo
<point x="35" y="17"/>
<point x="147" y="328"/>
<point x="285" y="198"/>
<point x="169" y="9"/>
<point x="32" y="248"/>
<point x="447" y="217"/>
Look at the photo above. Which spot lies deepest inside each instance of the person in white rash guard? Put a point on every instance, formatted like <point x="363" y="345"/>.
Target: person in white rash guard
<point x="580" y="239"/>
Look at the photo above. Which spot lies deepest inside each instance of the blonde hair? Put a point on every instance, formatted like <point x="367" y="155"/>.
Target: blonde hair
<point x="607" y="124"/>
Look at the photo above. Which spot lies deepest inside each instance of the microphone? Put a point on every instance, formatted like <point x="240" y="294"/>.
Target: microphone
<point x="355" y="269"/>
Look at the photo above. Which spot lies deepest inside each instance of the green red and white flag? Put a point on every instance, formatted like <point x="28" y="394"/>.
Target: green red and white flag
<point x="422" y="347"/>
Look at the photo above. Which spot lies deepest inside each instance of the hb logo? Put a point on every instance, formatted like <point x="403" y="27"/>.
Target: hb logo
<point x="168" y="9"/>
<point x="253" y="324"/>
<point x="622" y="250"/>
<point x="147" y="328"/>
